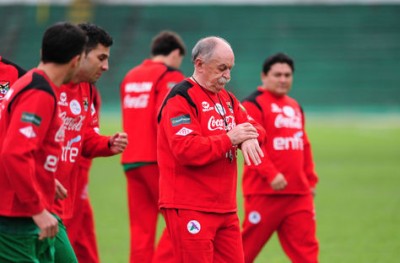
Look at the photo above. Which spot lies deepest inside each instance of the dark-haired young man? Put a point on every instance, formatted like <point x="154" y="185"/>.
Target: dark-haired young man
<point x="142" y="92"/>
<point x="9" y="73"/>
<point x="82" y="140"/>
<point x="30" y="146"/>
<point x="278" y="194"/>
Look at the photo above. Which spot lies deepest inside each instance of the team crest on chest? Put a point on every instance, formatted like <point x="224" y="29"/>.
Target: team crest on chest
<point x="63" y="99"/>
<point x="75" y="107"/>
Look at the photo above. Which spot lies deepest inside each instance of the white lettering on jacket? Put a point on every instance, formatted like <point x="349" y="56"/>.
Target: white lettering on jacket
<point x="138" y="87"/>
<point x="219" y="124"/>
<point x="138" y="102"/>
<point x="282" y="121"/>
<point x="289" y="143"/>
<point x="72" y="123"/>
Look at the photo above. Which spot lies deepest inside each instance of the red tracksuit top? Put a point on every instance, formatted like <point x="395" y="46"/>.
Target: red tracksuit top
<point x="142" y="91"/>
<point x="287" y="148"/>
<point x="193" y="147"/>
<point x="80" y="124"/>
<point x="9" y="73"/>
<point x="30" y="137"/>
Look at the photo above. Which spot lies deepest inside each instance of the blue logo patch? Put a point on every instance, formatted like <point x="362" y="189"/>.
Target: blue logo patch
<point x="182" y="119"/>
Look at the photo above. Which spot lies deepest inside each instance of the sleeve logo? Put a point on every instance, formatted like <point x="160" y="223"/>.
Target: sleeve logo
<point x="184" y="131"/>
<point x="182" y="119"/>
<point x="28" y="132"/>
<point x="31" y="118"/>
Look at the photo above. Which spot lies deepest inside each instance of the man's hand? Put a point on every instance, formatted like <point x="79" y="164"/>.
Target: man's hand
<point x="252" y="152"/>
<point x="61" y="192"/>
<point x="47" y="224"/>
<point x="242" y="132"/>
<point x="118" y="142"/>
<point x="279" y="182"/>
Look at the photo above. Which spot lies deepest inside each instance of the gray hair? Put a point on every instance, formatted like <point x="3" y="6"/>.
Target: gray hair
<point x="205" y="47"/>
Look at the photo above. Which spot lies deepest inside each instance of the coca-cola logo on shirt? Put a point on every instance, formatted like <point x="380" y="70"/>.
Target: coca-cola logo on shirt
<point x="288" y="119"/>
<point x="72" y="123"/>
<point x="219" y="123"/>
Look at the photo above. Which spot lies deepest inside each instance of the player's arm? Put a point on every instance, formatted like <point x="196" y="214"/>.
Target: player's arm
<point x="183" y="132"/>
<point x="31" y="114"/>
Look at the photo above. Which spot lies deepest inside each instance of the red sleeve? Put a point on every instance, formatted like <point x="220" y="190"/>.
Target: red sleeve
<point x="193" y="148"/>
<point x="23" y="139"/>
<point x="309" y="166"/>
<point x="94" y="144"/>
<point x="267" y="168"/>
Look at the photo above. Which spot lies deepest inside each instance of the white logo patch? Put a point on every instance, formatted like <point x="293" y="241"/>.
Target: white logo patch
<point x="28" y="132"/>
<point x="75" y="107"/>
<point x="254" y="217"/>
<point x="288" y="111"/>
<point x="63" y="99"/>
<point x="220" y="109"/>
<point x="206" y="106"/>
<point x="193" y="227"/>
<point x="184" y="131"/>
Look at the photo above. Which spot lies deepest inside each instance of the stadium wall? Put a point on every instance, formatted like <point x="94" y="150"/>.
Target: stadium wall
<point x="347" y="56"/>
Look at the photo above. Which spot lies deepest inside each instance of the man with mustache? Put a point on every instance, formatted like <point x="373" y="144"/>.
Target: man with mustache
<point x="201" y="126"/>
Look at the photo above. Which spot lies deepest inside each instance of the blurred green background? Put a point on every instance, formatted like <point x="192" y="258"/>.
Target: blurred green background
<point x="347" y="56"/>
<point x="347" y="60"/>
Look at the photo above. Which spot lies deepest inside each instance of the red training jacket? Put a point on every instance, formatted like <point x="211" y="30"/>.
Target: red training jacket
<point x="193" y="149"/>
<point x="30" y="137"/>
<point x="142" y="91"/>
<point x="80" y="124"/>
<point x="287" y="149"/>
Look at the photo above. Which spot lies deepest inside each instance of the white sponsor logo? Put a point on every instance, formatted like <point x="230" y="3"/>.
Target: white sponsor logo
<point x="254" y="217"/>
<point x="288" y="122"/>
<point x="138" y="87"/>
<point x="206" y="106"/>
<point x="28" y="132"/>
<point x="51" y="163"/>
<point x="219" y="124"/>
<point x="220" y="109"/>
<point x="75" y="107"/>
<point x="193" y="227"/>
<point x="63" y="99"/>
<point x="72" y="123"/>
<point x="275" y="108"/>
<point x="288" y="111"/>
<point x="184" y="131"/>
<point x="70" y="153"/>
<point x="138" y="102"/>
<point x="289" y="143"/>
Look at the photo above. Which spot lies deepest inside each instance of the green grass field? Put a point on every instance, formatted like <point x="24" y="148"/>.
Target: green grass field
<point x="358" y="198"/>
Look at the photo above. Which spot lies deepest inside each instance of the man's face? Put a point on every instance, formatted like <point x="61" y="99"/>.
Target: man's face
<point x="217" y="70"/>
<point x="94" y="64"/>
<point x="278" y="79"/>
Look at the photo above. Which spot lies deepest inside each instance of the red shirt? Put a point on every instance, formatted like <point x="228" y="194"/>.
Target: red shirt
<point x="193" y="149"/>
<point x="80" y="124"/>
<point x="30" y="136"/>
<point x="9" y="73"/>
<point x="142" y="91"/>
<point x="287" y="149"/>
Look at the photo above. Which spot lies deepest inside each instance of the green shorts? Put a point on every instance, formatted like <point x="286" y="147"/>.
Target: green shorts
<point x="64" y="252"/>
<point x="19" y="241"/>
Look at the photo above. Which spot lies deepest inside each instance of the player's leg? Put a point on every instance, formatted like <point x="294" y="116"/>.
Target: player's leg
<point x="262" y="217"/>
<point x="192" y="234"/>
<point x="228" y="241"/>
<point x="64" y="252"/>
<point x="297" y="232"/>
<point x="143" y="211"/>
<point x="164" y="252"/>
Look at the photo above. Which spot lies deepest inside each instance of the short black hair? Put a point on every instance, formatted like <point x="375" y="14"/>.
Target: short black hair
<point x="166" y="42"/>
<point x="277" y="58"/>
<point x="96" y="35"/>
<point x="61" y="42"/>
